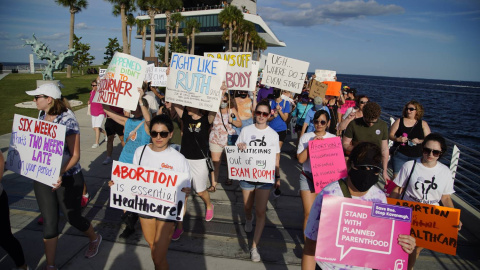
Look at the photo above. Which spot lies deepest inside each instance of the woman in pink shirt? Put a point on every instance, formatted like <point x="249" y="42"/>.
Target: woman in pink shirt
<point x="96" y="110"/>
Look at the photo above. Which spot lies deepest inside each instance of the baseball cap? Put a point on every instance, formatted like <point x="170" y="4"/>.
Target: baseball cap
<point x="48" y="89"/>
<point x="318" y="100"/>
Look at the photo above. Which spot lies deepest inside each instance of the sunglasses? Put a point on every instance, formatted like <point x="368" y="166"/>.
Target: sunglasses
<point x="363" y="102"/>
<point x="93" y="85"/>
<point x="373" y="168"/>
<point x="37" y="97"/>
<point x="264" y="114"/>
<point x="163" y="134"/>
<point x="435" y="153"/>
<point x="411" y="109"/>
<point x="321" y="122"/>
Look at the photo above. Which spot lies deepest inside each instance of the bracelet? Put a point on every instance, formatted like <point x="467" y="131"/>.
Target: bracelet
<point x="277" y="176"/>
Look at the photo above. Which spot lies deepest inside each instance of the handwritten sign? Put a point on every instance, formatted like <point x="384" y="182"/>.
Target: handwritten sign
<point x="285" y="73"/>
<point x="325" y="75"/>
<point x="119" y="85"/>
<point x="333" y="88"/>
<point x="434" y="227"/>
<point x="149" y="72"/>
<point x="102" y="72"/>
<point x="327" y="161"/>
<point x="159" y="76"/>
<point x="195" y="81"/>
<point x="255" y="164"/>
<point x="366" y="233"/>
<point x="36" y="149"/>
<point x="348" y="104"/>
<point x="148" y="191"/>
<point x="317" y="89"/>
<point x="242" y="71"/>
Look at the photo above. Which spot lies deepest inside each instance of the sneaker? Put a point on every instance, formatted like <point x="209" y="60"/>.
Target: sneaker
<point x="254" y="255"/>
<point x="127" y="232"/>
<point x="93" y="247"/>
<point x="84" y="200"/>
<point x="209" y="214"/>
<point x="95" y="145"/>
<point x="176" y="234"/>
<point x="249" y="225"/>
<point x="40" y="221"/>
<point x="107" y="161"/>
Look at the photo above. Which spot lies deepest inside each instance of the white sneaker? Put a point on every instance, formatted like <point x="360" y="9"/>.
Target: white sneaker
<point x="107" y="161"/>
<point x="95" y="145"/>
<point x="254" y="255"/>
<point x="249" y="225"/>
<point x="106" y="139"/>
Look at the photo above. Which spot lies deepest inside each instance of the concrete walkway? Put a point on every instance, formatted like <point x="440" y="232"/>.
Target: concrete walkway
<point x="219" y="244"/>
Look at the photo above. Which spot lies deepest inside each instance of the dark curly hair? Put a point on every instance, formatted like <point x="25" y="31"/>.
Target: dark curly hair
<point x="371" y="111"/>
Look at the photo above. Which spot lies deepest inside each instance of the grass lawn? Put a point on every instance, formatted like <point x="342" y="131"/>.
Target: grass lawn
<point x="13" y="87"/>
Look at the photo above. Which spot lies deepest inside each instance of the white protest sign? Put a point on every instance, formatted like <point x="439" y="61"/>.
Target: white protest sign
<point x="195" y="81"/>
<point x="149" y="72"/>
<point x="102" y="72"/>
<point x="119" y="85"/>
<point x="255" y="164"/>
<point x="148" y="191"/>
<point x="242" y="71"/>
<point x="263" y="61"/>
<point x="36" y="149"/>
<point x="159" y="76"/>
<point x="325" y="75"/>
<point x="284" y="73"/>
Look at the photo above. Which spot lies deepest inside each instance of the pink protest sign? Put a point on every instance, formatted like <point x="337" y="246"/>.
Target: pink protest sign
<point x="327" y="161"/>
<point x="348" y="104"/>
<point x="366" y="233"/>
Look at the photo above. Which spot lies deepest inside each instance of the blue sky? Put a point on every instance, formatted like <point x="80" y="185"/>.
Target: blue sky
<point x="419" y="39"/>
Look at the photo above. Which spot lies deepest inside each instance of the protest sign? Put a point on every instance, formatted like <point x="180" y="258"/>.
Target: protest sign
<point x="159" y="76"/>
<point x="284" y="73"/>
<point x="317" y="89"/>
<point x="434" y="227"/>
<point x="366" y="233"/>
<point x="149" y="72"/>
<point x="333" y="88"/>
<point x="148" y="191"/>
<point x="327" y="161"/>
<point x="195" y="81"/>
<point x="118" y="87"/>
<point x="36" y="149"/>
<point x="325" y="75"/>
<point x="102" y="72"/>
<point x="262" y="61"/>
<point x="348" y="104"/>
<point x="255" y="164"/>
<point x="242" y="71"/>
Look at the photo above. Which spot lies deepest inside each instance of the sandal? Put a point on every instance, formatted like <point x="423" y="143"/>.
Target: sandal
<point x="228" y="182"/>
<point x="212" y="189"/>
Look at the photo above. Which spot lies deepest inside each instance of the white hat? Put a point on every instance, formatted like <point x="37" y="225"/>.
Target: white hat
<point x="48" y="89"/>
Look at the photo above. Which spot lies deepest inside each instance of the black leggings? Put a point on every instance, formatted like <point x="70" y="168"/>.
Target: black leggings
<point x="7" y="241"/>
<point x="68" y="198"/>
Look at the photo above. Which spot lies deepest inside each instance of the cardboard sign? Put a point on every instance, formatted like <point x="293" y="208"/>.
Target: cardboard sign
<point x="325" y="75"/>
<point x="36" y="149"/>
<point x="195" y="81"/>
<point x="102" y="72"/>
<point x="434" y="227"/>
<point x="149" y="72"/>
<point x="242" y="71"/>
<point x="317" y="89"/>
<point x="255" y="164"/>
<point x="327" y="161"/>
<point x="348" y="104"/>
<point x="284" y="73"/>
<point x="148" y="191"/>
<point x="119" y="85"/>
<point x="366" y="233"/>
<point x="333" y="88"/>
<point x="159" y="76"/>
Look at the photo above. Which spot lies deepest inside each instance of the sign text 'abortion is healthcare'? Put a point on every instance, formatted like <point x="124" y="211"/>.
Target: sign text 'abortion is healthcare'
<point x="195" y="81"/>
<point x="255" y="164"/>
<point x="36" y="149"/>
<point x="119" y="86"/>
<point x="148" y="191"/>
<point x="366" y="233"/>
<point x="284" y="73"/>
<point x="242" y="71"/>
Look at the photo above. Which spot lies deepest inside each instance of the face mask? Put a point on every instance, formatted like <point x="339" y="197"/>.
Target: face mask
<point x="363" y="180"/>
<point x="223" y="105"/>
<point x="243" y="95"/>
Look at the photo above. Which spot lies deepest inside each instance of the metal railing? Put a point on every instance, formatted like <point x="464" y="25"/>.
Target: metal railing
<point x="464" y="163"/>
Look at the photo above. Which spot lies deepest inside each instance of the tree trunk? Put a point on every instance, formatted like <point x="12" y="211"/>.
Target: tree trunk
<point x="177" y="26"/>
<point x="124" y="28"/>
<point x="130" y="40"/>
<point x="258" y="54"/>
<point x="167" y="35"/>
<point x="144" y="41"/>
<point x="151" y="13"/>
<point x="253" y="43"/>
<point x="230" y="37"/>
<point x="188" y="44"/>
<point x="70" y="44"/>
<point x="245" y="48"/>
<point x="193" y="41"/>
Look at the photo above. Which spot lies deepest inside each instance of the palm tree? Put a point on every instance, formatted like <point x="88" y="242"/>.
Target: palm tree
<point x="193" y="27"/>
<point x="177" y="19"/>
<point x="122" y="7"/>
<point x="168" y="6"/>
<point x="130" y="22"/>
<point x="248" y="28"/>
<point x="75" y="6"/>
<point x="187" y="32"/>
<point x="261" y="46"/>
<point x="142" y="29"/>
<point x="230" y="16"/>
<point x="151" y="6"/>
<point x="252" y="39"/>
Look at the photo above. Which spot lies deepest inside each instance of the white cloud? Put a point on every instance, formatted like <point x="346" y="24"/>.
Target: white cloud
<point x="81" y="26"/>
<point x="56" y="36"/>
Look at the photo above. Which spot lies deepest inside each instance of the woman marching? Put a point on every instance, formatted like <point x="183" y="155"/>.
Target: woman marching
<point x="258" y="134"/>
<point x="158" y="154"/>
<point x="98" y="115"/>
<point x="321" y="121"/>
<point x="67" y="192"/>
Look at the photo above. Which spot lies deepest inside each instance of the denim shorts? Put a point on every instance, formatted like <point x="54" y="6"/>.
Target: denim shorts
<point x="247" y="185"/>
<point x="398" y="160"/>
<point x="305" y="183"/>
